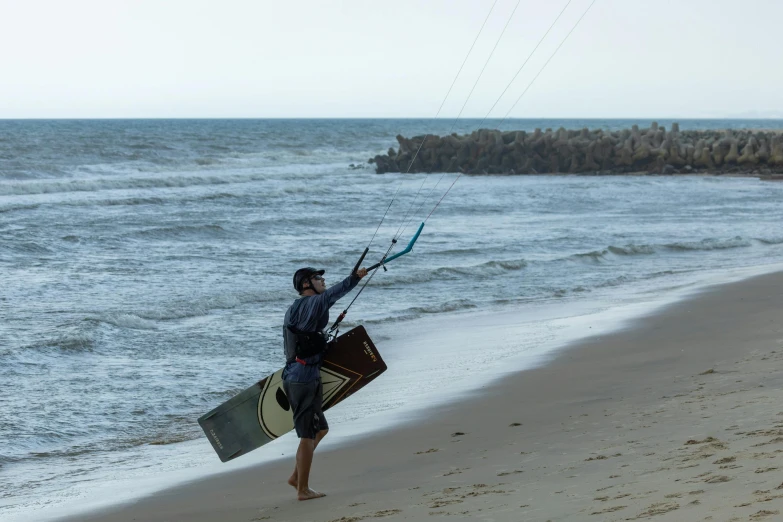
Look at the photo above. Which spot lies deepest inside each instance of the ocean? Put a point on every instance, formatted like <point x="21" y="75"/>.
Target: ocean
<point x="145" y="267"/>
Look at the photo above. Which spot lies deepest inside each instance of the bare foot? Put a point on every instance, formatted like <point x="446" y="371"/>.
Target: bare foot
<point x="309" y="494"/>
<point x="293" y="482"/>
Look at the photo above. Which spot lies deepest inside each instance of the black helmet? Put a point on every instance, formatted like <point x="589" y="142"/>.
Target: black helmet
<point x="303" y="274"/>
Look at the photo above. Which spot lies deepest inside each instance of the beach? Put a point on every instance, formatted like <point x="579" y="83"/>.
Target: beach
<point x="677" y="416"/>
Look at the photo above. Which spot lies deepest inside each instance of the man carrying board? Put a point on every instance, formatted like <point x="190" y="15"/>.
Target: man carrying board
<point x="305" y="343"/>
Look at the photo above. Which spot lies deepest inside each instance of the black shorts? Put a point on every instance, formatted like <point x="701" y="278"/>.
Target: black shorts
<point x="306" y="399"/>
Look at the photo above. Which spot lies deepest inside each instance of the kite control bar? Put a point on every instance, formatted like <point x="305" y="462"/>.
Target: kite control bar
<point x="333" y="330"/>
<point x="398" y="254"/>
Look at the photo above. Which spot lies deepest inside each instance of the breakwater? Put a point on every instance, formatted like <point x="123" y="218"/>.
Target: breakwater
<point x="653" y="150"/>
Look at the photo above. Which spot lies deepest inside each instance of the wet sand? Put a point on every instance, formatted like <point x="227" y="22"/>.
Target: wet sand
<point x="679" y="416"/>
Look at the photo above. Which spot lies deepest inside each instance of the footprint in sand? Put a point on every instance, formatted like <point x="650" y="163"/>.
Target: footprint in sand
<point x="603" y="457"/>
<point x="455" y="471"/>
<point x="608" y="510"/>
<point x="717" y="479"/>
<point x="377" y="514"/>
<point x="386" y="513"/>
<point x="725" y="460"/>
<point x="443" y="503"/>
<point x="764" y="496"/>
<point x="659" y="509"/>
<point x="776" y="440"/>
<point x="479" y="493"/>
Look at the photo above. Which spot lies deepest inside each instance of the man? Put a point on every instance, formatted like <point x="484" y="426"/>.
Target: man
<point x="305" y="343"/>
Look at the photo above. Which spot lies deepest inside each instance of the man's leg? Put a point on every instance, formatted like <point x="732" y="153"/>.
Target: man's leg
<point x="304" y="460"/>
<point x="294" y="479"/>
<point x="311" y="427"/>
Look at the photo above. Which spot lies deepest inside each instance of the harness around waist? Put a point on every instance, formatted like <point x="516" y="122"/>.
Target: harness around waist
<point x="307" y="344"/>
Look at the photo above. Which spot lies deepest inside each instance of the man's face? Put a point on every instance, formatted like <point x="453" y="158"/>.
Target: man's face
<point x="318" y="283"/>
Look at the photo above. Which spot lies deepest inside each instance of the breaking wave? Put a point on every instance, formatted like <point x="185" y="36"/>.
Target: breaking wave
<point x="680" y="246"/>
<point x="131" y="321"/>
<point x="418" y="311"/>
<point x="448" y="306"/>
<point x="632" y="250"/>
<point x="595" y="255"/>
<point x="73" y="340"/>
<point x="482" y="270"/>
<point x="771" y="241"/>
<point x="710" y="244"/>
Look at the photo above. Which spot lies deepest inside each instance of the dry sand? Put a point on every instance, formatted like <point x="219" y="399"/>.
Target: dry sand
<point x="678" y="417"/>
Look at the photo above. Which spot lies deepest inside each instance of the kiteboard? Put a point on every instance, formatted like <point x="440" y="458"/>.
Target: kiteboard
<point x="262" y="413"/>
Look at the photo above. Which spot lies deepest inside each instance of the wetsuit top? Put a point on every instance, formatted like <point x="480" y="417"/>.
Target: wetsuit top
<point x="310" y="314"/>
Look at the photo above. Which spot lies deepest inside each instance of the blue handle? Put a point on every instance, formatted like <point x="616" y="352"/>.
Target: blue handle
<point x="402" y="253"/>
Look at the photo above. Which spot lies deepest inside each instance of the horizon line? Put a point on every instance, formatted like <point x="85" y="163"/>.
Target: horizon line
<point x="596" y="118"/>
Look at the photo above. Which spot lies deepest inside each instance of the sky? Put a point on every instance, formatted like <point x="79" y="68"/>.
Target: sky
<point x="380" y="58"/>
